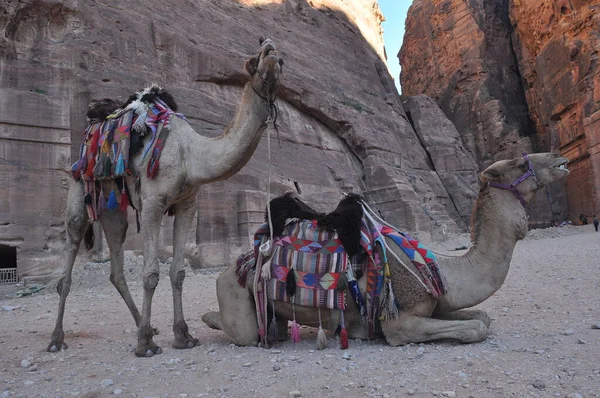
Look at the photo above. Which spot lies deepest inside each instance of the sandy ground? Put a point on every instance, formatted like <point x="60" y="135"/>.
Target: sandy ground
<point x="542" y="341"/>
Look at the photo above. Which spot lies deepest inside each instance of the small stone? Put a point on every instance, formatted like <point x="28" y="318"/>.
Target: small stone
<point x="33" y="367"/>
<point x="410" y="391"/>
<point x="295" y="394"/>
<point x="575" y="394"/>
<point x="10" y="307"/>
<point x="347" y="356"/>
<point x="5" y="394"/>
<point x="462" y="375"/>
<point x="29" y="382"/>
<point x="275" y="351"/>
<point x="450" y="394"/>
<point x="344" y="369"/>
<point x="595" y="326"/>
<point x="118" y="391"/>
<point x="420" y="351"/>
<point x="276" y="368"/>
<point x="567" y="332"/>
<point x="580" y="341"/>
<point x="25" y="364"/>
<point x="540" y="385"/>
<point x="247" y="365"/>
<point x="106" y="383"/>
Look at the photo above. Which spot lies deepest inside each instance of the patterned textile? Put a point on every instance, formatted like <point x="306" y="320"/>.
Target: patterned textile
<point x="317" y="258"/>
<point x="104" y="153"/>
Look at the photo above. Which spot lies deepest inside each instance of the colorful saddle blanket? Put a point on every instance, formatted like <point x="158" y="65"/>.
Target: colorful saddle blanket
<point x="105" y="152"/>
<point x="319" y="262"/>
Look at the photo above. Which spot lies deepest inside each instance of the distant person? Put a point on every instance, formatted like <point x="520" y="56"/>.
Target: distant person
<point x="596" y="222"/>
<point x="583" y="219"/>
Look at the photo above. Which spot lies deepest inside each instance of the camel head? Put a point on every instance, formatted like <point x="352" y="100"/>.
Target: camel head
<point x="265" y="70"/>
<point x="525" y="175"/>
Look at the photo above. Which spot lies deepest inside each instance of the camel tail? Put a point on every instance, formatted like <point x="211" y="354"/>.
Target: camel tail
<point x="89" y="237"/>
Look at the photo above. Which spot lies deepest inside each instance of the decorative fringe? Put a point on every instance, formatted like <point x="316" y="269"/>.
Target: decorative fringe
<point x="112" y="200"/>
<point x="106" y="172"/>
<point x="124" y="202"/>
<point x="321" y="337"/>
<point x="295" y="332"/>
<point x="265" y="271"/>
<point x="290" y="283"/>
<point x="99" y="167"/>
<point x="343" y="333"/>
<point x="101" y="202"/>
<point x="153" y="163"/>
<point x="140" y="123"/>
<point x="89" y="171"/>
<point x="105" y="147"/>
<point x="120" y="169"/>
<point x="273" y="334"/>
<point x="343" y="282"/>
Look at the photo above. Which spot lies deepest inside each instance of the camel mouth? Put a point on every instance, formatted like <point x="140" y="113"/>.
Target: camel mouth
<point x="561" y="164"/>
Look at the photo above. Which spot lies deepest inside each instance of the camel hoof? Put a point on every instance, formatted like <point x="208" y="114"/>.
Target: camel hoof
<point x="149" y="353"/>
<point x="186" y="343"/>
<point x="53" y="347"/>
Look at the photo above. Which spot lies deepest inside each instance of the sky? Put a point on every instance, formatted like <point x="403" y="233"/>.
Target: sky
<point x="393" y="32"/>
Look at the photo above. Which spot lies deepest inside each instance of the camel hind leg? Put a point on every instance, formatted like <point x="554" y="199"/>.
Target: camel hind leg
<point x="76" y="225"/>
<point x="237" y="312"/>
<point x="114" y="224"/>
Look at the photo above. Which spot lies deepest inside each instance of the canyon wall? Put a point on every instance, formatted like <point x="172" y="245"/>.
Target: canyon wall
<point x="514" y="76"/>
<point x="342" y="126"/>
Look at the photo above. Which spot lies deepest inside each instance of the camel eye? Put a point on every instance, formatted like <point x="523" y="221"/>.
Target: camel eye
<point x="523" y="166"/>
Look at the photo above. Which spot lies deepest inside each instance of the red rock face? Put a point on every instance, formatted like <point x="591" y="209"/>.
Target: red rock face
<point x="557" y="46"/>
<point x="459" y="52"/>
<point x="341" y="124"/>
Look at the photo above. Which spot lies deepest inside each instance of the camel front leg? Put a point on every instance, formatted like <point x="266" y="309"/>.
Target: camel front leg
<point x="152" y="213"/>
<point x="408" y="328"/>
<point x="77" y="224"/>
<point x="465" y="315"/>
<point x="184" y="212"/>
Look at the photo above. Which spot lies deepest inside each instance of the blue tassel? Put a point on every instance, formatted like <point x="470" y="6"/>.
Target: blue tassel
<point x="112" y="200"/>
<point x="120" y="166"/>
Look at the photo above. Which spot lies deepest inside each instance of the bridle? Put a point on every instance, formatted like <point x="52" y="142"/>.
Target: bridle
<point x="269" y="99"/>
<point x="513" y="187"/>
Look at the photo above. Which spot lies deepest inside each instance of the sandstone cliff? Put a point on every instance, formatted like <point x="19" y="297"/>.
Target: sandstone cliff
<point x="342" y="126"/>
<point x="514" y="76"/>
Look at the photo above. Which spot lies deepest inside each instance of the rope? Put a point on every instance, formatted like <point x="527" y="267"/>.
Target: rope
<point x="265" y="248"/>
<point x="382" y="221"/>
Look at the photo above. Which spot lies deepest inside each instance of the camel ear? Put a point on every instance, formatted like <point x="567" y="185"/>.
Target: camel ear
<point x="251" y="66"/>
<point x="490" y="174"/>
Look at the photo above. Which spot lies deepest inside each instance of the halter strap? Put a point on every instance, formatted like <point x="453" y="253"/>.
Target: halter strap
<point x="513" y="187"/>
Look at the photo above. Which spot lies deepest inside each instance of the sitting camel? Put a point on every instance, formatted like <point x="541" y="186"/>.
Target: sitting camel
<point x="499" y="220"/>
<point x="188" y="160"/>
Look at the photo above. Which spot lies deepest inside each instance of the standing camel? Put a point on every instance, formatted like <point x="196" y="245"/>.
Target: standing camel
<point x="188" y="160"/>
<point x="499" y="220"/>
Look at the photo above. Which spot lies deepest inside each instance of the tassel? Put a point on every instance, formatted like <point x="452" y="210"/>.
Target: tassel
<point x="343" y="333"/>
<point x="290" y="283"/>
<point x="120" y="169"/>
<point x="295" y="332"/>
<point x="265" y="272"/>
<point x="342" y="283"/>
<point x="99" y="168"/>
<point x="273" y="334"/>
<point x="101" y="202"/>
<point x="87" y="199"/>
<point x="112" y="200"/>
<point x="107" y="167"/>
<point x="124" y="201"/>
<point x="89" y="171"/>
<point x="321" y="337"/>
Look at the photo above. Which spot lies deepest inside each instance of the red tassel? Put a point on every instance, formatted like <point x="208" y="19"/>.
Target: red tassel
<point x="94" y="144"/>
<point x="344" y="339"/>
<point x="343" y="333"/>
<point x="124" y="201"/>
<point x="89" y="171"/>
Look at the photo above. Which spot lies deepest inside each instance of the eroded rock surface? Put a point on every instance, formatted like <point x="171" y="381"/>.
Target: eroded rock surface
<point x="341" y="124"/>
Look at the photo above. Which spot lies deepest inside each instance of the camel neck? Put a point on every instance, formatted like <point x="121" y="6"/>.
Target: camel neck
<point x="499" y="222"/>
<point x="216" y="159"/>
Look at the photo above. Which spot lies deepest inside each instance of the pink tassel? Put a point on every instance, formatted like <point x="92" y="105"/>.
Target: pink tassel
<point x="295" y="332"/>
